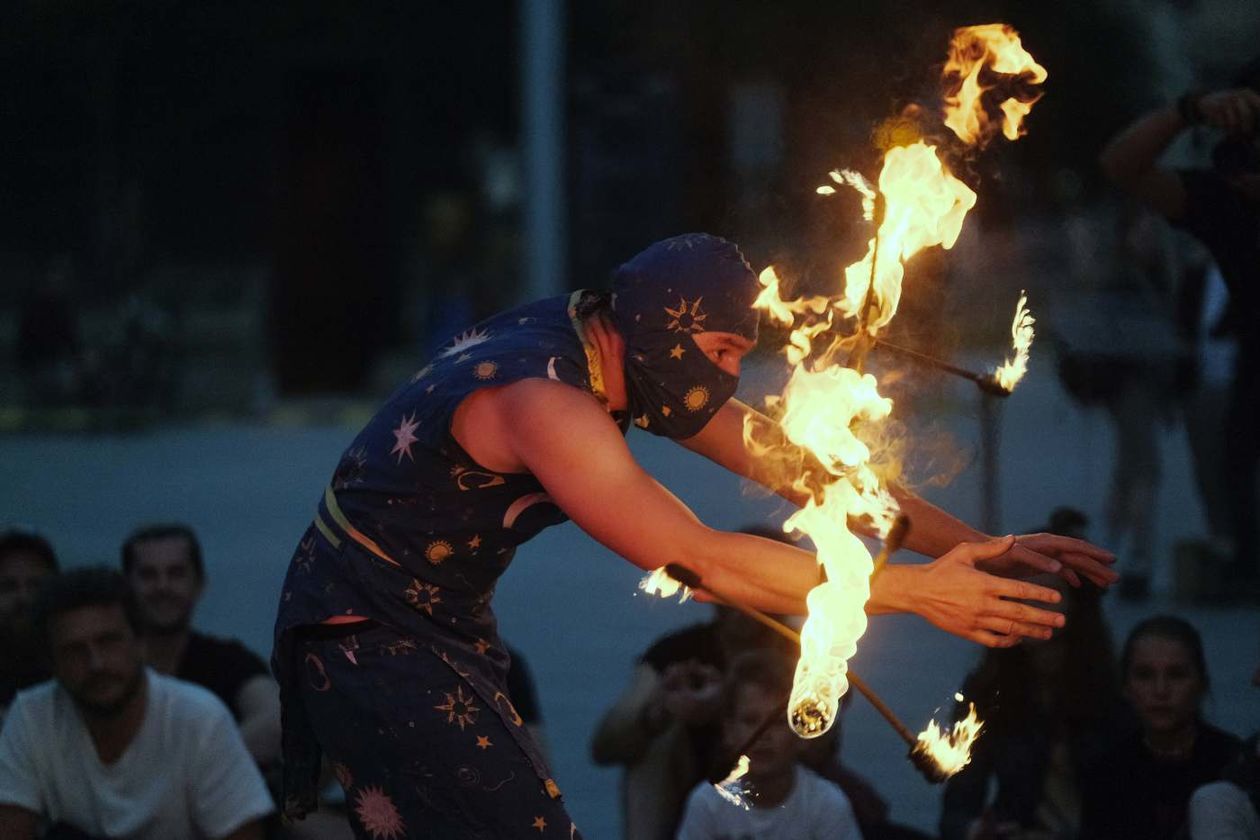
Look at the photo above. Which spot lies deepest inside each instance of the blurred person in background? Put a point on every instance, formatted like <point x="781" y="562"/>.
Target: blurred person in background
<point x="26" y="562"/>
<point x="664" y="729"/>
<point x="1050" y="709"/>
<point x="164" y="567"/>
<point x="1140" y="788"/>
<point x="49" y="348"/>
<point x="784" y="798"/>
<point x="517" y="425"/>
<point x="1221" y="207"/>
<point x="1230" y="809"/>
<point x="108" y="748"/>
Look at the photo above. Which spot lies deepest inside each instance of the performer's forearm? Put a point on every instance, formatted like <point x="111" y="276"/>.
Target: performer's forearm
<point x="932" y="531"/>
<point x="1134" y="152"/>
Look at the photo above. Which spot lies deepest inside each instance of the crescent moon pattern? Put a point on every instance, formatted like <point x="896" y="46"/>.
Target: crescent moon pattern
<point x="501" y="700"/>
<point x="551" y="369"/>
<point x="518" y="507"/>
<point x="316" y="674"/>
<point x="478" y="480"/>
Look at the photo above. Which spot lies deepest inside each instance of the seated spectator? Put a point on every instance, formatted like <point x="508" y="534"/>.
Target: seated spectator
<point x="1230" y="809"/>
<point x="662" y="729"/>
<point x="26" y="561"/>
<point x="822" y="755"/>
<point x="1141" y="787"/>
<point x="1049" y="709"/>
<point x="784" y="799"/>
<point x="163" y="565"/>
<point x="108" y="748"/>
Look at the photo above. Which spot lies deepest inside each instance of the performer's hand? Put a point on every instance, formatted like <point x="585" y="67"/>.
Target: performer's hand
<point x="961" y="599"/>
<point x="1069" y="558"/>
<point x="1232" y="111"/>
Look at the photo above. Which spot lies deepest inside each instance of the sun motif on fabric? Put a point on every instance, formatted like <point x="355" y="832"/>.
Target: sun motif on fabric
<point x="462" y="342"/>
<point x="422" y="595"/>
<point x="687" y="318"/>
<point x="438" y="551"/>
<point x="459" y="709"/>
<point x="485" y="370"/>
<point x="697" y="398"/>
<point x="378" y="814"/>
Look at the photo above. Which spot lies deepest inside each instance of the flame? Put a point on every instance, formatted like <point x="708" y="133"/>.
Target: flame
<point x="951" y="751"/>
<point x="731" y="788"/>
<point x="1009" y="374"/>
<point x="658" y="582"/>
<point x="997" y="47"/>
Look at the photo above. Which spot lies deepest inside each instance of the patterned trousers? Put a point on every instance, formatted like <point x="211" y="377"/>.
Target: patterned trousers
<point x="417" y="751"/>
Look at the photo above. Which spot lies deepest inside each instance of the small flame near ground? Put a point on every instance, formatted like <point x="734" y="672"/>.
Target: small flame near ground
<point x="658" y="582"/>
<point x="731" y="788"/>
<point x="951" y="750"/>
<point x="1009" y="374"/>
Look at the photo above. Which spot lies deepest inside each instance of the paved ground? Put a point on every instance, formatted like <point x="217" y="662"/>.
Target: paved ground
<point x="569" y="604"/>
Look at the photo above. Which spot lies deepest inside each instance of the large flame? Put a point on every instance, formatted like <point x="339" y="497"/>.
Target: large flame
<point x="994" y="47"/>
<point x="1009" y="374"/>
<point x="658" y="582"/>
<point x="951" y="750"/>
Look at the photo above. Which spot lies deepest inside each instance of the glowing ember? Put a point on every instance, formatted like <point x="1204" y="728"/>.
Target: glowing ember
<point x="1009" y="374"/>
<point x="859" y="183"/>
<point x="658" y="582"/>
<point x="995" y="47"/>
<point x="951" y="751"/>
<point x="731" y="788"/>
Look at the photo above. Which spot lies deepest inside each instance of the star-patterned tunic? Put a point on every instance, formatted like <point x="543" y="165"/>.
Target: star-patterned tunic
<point x="413" y="533"/>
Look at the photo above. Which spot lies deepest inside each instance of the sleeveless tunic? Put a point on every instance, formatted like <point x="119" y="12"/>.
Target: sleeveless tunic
<point x="413" y="533"/>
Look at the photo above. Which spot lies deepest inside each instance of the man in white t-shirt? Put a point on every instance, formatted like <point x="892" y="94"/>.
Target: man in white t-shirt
<point x="782" y="799"/>
<point x="111" y="749"/>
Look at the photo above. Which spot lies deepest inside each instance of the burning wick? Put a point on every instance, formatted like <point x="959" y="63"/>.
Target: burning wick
<point x="731" y="788"/>
<point x="892" y="543"/>
<point x="1009" y="374"/>
<point x="985" y="382"/>
<point x="937" y="758"/>
<point x="659" y="582"/>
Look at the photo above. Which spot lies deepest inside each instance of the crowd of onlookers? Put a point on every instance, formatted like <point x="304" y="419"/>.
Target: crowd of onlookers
<point x="119" y="720"/>
<point x="1076" y="744"/>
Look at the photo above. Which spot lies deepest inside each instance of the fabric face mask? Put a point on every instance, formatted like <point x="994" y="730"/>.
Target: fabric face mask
<point x="662" y="297"/>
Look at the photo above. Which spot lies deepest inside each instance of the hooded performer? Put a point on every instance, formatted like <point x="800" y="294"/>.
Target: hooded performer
<point x="386" y="646"/>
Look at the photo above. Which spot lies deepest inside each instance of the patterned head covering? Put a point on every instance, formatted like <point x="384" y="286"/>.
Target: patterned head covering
<point x="662" y="297"/>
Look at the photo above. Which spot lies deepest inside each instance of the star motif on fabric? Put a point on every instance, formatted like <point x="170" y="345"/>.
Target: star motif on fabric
<point x="481" y="645"/>
<point x="666" y="410"/>
<point x="429" y="390"/>
<point x="404" y="437"/>
<point x="422" y="373"/>
<point x="641" y="421"/>
<point x="470" y="338"/>
<point x="483" y="742"/>
<point x="459" y="709"/>
<point x="523" y="321"/>
<point x="677" y="352"/>
<point x="475" y="542"/>
<point x="463" y="357"/>
<point x="540" y="824"/>
<point x="687" y="318"/>
<point x="422" y="595"/>
<point x="379" y="816"/>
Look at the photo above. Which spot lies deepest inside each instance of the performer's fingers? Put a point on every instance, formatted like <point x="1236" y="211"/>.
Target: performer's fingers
<point x="1022" y="590"/>
<point x="1099" y="573"/>
<point x="1035" y="560"/>
<point x="1011" y="627"/>
<point x="1022" y="614"/>
<point x="995" y="640"/>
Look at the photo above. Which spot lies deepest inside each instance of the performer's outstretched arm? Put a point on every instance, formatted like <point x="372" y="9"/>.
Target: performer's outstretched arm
<point x="565" y="438"/>
<point x="933" y="532"/>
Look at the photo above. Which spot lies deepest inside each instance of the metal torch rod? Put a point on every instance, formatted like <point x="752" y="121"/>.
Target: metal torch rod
<point x="985" y="382"/>
<point x="688" y="578"/>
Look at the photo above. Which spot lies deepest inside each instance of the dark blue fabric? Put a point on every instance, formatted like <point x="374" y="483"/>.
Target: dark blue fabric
<point x="661" y="298"/>
<point x="447" y="767"/>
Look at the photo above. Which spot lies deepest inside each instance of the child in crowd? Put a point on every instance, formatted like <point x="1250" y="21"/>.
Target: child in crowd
<point x="783" y="799"/>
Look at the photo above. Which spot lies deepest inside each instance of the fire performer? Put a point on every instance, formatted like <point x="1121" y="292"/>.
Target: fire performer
<point x="386" y="647"/>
